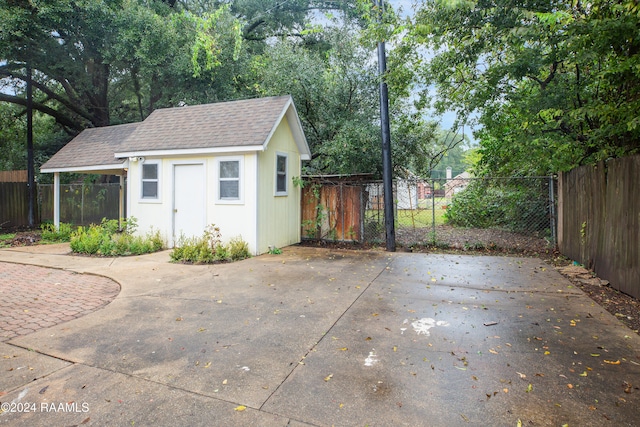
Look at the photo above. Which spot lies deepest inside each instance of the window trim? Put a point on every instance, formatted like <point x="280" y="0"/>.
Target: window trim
<point x="278" y="173"/>
<point x="158" y="181"/>
<point x="240" y="180"/>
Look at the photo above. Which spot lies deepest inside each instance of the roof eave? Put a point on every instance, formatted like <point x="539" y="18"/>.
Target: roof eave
<point x="112" y="169"/>
<point x="291" y="113"/>
<point x="190" y="151"/>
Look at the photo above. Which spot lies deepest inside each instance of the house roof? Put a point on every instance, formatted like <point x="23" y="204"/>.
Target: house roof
<point x="91" y="151"/>
<point x="234" y="126"/>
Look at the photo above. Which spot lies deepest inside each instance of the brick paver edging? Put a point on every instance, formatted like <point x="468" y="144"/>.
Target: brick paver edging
<point x="32" y="298"/>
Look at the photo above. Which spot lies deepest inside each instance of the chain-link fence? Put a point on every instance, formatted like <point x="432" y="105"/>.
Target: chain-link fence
<point x="460" y="212"/>
<point x="80" y="204"/>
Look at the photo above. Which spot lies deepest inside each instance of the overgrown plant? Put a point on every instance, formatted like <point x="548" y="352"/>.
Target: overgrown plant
<point x="109" y="239"/>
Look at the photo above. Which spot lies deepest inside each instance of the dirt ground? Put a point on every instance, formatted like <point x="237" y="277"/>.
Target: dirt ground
<point x="478" y="242"/>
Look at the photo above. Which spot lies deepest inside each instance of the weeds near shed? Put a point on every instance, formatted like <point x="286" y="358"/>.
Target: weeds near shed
<point x="51" y="233"/>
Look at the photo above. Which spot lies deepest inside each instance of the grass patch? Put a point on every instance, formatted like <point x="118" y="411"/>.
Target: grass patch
<point x="5" y="239"/>
<point x="418" y="218"/>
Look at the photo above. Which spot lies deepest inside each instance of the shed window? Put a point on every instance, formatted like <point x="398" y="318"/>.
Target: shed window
<point x="229" y="180"/>
<point x="150" y="181"/>
<point x="281" y="175"/>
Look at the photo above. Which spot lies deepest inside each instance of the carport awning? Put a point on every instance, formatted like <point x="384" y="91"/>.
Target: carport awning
<point x="92" y="151"/>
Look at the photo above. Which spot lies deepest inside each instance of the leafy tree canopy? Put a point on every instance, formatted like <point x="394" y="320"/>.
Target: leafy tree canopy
<point x="554" y="84"/>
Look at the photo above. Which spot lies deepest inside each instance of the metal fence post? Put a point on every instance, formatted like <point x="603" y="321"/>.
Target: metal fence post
<point x="552" y="210"/>
<point x="433" y="211"/>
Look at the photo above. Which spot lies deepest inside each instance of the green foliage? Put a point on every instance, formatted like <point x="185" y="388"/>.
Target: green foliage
<point x="209" y="248"/>
<point x="511" y="205"/>
<point x="5" y="239"/>
<point x="107" y="239"/>
<point x="552" y="84"/>
<point x="335" y="95"/>
<point x="51" y="233"/>
<point x="275" y="251"/>
<point x="238" y="249"/>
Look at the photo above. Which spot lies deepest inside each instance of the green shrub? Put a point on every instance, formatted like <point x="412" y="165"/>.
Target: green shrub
<point x="107" y="239"/>
<point x="209" y="248"/>
<point x="519" y="206"/>
<point x="52" y="234"/>
<point x="87" y="240"/>
<point x="238" y="249"/>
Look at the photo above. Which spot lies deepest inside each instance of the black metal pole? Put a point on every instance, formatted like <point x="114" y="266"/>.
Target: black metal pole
<point x="387" y="178"/>
<point x="30" y="164"/>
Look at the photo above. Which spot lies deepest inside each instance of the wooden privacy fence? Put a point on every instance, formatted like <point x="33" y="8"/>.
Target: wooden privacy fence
<point x="599" y="220"/>
<point x="13" y="176"/>
<point x="80" y="204"/>
<point x="14" y="205"/>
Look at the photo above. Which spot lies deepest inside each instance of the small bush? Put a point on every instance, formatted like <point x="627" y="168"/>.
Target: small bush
<point x="209" y="248"/>
<point x="107" y="239"/>
<point x="238" y="249"/>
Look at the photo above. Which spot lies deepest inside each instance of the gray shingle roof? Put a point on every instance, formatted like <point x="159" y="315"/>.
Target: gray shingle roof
<point x="235" y="124"/>
<point x="93" y="147"/>
<point x="225" y="124"/>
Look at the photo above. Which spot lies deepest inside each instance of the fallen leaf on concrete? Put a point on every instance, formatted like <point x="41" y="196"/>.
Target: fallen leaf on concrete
<point x="328" y="377"/>
<point x="529" y="388"/>
<point x="240" y="408"/>
<point x="611" y="362"/>
<point x="343" y="349"/>
<point x="43" y="390"/>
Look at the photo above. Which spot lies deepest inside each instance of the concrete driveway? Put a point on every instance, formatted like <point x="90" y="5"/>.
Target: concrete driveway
<point x="324" y="337"/>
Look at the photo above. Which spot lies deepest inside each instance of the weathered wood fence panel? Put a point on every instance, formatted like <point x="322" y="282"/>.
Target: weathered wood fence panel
<point x="14" y="204"/>
<point x="13" y="176"/>
<point x="332" y="212"/>
<point x="599" y="207"/>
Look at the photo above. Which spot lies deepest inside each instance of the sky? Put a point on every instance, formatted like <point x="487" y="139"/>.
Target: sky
<point x="407" y="8"/>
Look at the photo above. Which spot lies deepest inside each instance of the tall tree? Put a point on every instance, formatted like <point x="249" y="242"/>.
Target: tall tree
<point x="335" y="94"/>
<point x="555" y="84"/>
<point x="100" y="57"/>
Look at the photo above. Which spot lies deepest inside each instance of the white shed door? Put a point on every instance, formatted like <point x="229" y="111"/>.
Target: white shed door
<point x="188" y="201"/>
